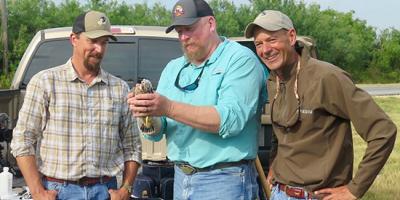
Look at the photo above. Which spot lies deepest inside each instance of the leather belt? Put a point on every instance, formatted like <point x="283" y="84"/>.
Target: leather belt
<point x="297" y="192"/>
<point x="189" y="169"/>
<point x="84" y="181"/>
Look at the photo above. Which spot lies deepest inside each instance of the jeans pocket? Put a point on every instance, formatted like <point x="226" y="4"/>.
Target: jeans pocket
<point x="100" y="192"/>
<point x="50" y="185"/>
<point x="274" y="192"/>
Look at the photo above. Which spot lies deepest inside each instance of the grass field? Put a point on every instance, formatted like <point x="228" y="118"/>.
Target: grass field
<point x="386" y="185"/>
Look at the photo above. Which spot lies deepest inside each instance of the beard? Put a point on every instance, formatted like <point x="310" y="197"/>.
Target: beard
<point x="198" y="54"/>
<point x="93" y="67"/>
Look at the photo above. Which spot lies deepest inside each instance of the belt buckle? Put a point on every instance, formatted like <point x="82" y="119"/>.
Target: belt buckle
<point x="81" y="182"/>
<point x="87" y="181"/>
<point x="298" y="192"/>
<point x="293" y="192"/>
<point x="187" y="169"/>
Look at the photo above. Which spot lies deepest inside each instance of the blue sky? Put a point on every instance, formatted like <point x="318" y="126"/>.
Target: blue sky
<point x="377" y="13"/>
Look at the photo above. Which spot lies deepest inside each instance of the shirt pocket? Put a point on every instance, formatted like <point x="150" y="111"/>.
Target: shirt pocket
<point x="209" y="86"/>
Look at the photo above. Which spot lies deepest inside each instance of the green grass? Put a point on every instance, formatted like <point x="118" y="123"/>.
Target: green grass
<point x="386" y="185"/>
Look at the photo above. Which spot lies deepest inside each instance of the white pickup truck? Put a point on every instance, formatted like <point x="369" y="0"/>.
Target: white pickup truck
<point x="140" y="52"/>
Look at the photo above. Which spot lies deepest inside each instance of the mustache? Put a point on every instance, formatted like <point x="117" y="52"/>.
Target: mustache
<point x="96" y="55"/>
<point x="267" y="55"/>
<point x="188" y="43"/>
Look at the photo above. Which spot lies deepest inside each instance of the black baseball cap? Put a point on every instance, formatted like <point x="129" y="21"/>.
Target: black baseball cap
<point x="187" y="12"/>
<point x="93" y="24"/>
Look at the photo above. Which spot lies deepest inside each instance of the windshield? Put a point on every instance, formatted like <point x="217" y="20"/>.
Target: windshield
<point x="130" y="58"/>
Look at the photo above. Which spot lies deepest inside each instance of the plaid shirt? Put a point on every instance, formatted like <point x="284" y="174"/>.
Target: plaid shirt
<point x="76" y="129"/>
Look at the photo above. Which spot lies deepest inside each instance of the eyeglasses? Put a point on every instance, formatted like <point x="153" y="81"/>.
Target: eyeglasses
<point x="295" y="118"/>
<point x="193" y="85"/>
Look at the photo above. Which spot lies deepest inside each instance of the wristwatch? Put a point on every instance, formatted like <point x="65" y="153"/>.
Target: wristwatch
<point x="127" y="187"/>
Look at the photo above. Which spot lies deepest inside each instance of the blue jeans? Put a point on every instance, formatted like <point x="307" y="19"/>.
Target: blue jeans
<point x="238" y="182"/>
<point x="76" y="192"/>
<point x="277" y="194"/>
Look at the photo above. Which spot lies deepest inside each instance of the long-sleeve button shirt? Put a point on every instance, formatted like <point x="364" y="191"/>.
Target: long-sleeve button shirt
<point x="317" y="152"/>
<point x="233" y="82"/>
<point x="76" y="129"/>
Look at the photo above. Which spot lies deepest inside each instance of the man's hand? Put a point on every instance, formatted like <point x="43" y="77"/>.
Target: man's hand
<point x="338" y="193"/>
<point x="45" y="195"/>
<point x="121" y="193"/>
<point x="27" y="165"/>
<point x="152" y="104"/>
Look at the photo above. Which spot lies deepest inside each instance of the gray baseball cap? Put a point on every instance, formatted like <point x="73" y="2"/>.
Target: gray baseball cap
<point x="93" y="24"/>
<point x="187" y="12"/>
<point x="270" y="20"/>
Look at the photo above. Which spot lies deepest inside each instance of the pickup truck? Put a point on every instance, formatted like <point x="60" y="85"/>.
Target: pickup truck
<point x="140" y="52"/>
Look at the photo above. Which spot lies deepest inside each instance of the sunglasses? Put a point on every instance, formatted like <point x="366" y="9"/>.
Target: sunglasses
<point x="295" y="118"/>
<point x="193" y="85"/>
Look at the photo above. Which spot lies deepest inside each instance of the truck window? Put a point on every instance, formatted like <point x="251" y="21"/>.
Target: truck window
<point x="154" y="54"/>
<point x="120" y="60"/>
<point x="48" y="54"/>
<point x="123" y="58"/>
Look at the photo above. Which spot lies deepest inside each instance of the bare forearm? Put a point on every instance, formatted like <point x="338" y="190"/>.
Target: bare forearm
<point x="130" y="171"/>
<point x="27" y="165"/>
<point x="205" y="118"/>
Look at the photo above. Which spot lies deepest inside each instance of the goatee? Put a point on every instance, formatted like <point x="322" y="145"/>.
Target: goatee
<point x="93" y="67"/>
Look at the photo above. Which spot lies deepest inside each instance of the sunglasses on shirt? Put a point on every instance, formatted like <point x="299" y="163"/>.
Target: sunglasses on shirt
<point x="193" y="85"/>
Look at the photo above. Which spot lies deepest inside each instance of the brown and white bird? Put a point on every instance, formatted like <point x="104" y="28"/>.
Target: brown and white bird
<point x="144" y="87"/>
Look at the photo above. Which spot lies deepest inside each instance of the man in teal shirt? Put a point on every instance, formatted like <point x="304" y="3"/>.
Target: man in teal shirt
<point x="208" y="104"/>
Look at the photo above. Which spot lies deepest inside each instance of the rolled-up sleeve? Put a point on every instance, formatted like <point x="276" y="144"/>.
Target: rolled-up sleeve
<point x="239" y="95"/>
<point x="31" y="119"/>
<point x="129" y="134"/>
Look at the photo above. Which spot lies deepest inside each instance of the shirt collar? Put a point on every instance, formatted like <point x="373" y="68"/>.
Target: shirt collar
<point x="72" y="75"/>
<point x="290" y="72"/>
<point x="218" y="51"/>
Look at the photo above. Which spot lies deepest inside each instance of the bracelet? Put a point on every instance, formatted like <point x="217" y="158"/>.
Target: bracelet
<point x="127" y="187"/>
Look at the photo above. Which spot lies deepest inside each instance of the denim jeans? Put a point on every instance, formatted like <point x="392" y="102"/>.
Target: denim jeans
<point x="76" y="192"/>
<point x="277" y="194"/>
<point x="238" y="182"/>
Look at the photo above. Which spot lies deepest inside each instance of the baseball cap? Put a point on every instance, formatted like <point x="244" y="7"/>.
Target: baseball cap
<point x="187" y="12"/>
<point x="93" y="24"/>
<point x="270" y="20"/>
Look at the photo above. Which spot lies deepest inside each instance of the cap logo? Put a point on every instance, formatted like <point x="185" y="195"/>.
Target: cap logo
<point x="101" y="21"/>
<point x="178" y="11"/>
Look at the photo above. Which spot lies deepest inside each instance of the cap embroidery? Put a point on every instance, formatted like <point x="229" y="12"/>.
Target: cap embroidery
<point x="178" y="11"/>
<point x="101" y="21"/>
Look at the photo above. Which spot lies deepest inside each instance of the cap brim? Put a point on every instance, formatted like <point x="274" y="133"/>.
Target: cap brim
<point x="249" y="31"/>
<point x="182" y="22"/>
<point x="99" y="33"/>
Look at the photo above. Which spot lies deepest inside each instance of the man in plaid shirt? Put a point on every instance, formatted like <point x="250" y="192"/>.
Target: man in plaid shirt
<point x="75" y="132"/>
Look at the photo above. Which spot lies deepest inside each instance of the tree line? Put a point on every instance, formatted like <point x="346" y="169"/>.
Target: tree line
<point x="341" y="39"/>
